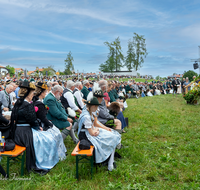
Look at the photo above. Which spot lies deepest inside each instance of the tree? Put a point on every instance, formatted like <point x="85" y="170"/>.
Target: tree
<point x="190" y="75"/>
<point x="69" y="67"/>
<point x="50" y="71"/>
<point x="115" y="57"/>
<point x="157" y="77"/>
<point x="130" y="58"/>
<point x="140" y="50"/>
<point x="109" y="65"/>
<point x="11" y="70"/>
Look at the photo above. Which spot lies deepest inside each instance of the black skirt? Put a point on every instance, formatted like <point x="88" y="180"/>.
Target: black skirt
<point x="24" y="137"/>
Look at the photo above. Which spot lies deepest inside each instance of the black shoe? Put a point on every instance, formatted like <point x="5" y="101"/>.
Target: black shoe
<point x="117" y="155"/>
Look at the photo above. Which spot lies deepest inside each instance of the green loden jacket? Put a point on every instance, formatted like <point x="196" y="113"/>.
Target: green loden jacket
<point x="85" y="92"/>
<point x="56" y="114"/>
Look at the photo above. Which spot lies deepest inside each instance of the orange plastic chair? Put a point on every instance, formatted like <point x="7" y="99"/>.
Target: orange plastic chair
<point x="14" y="154"/>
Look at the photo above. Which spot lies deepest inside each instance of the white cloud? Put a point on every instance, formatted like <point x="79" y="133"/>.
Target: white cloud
<point x="105" y="13"/>
<point x="94" y="42"/>
<point x="49" y="59"/>
<point x="14" y="48"/>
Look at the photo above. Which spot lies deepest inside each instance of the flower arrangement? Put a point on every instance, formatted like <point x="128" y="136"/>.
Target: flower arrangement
<point x="47" y="107"/>
<point x="194" y="94"/>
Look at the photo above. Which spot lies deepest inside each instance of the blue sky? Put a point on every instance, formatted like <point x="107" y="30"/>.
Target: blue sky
<point x="42" y="32"/>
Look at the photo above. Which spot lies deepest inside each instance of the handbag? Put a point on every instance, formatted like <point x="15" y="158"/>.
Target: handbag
<point x="84" y="145"/>
<point x="10" y="145"/>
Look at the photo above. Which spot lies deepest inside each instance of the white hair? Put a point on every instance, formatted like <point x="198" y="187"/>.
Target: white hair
<point x="70" y="84"/>
<point x="9" y="86"/>
<point x="49" y="84"/>
<point x="57" y="88"/>
<point x="77" y="84"/>
<point x="85" y="82"/>
<point x="102" y="83"/>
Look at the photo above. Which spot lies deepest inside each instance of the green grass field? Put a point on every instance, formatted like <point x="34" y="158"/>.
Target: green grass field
<point x="161" y="151"/>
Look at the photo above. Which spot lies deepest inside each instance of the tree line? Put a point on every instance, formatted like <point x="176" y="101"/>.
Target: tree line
<point x="133" y="60"/>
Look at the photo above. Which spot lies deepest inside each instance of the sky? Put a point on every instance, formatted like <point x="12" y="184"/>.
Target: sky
<point x="40" y="33"/>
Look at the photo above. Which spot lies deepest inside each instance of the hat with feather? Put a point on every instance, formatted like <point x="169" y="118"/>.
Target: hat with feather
<point x="92" y="100"/>
<point x="97" y="92"/>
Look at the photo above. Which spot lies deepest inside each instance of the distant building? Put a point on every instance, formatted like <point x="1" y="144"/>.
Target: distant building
<point x="36" y="71"/>
<point x="17" y="70"/>
<point x="121" y="73"/>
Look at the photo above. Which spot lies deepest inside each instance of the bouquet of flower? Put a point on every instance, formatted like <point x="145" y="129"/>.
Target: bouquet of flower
<point x="193" y="95"/>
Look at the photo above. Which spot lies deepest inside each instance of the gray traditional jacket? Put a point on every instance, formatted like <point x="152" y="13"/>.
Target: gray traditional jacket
<point x="5" y="100"/>
<point x="104" y="115"/>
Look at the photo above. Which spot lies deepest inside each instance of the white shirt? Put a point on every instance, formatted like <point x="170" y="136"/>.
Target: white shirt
<point x="70" y="98"/>
<point x="79" y="96"/>
<point x="12" y="97"/>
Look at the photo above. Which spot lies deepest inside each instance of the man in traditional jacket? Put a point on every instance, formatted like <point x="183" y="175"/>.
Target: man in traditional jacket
<point x="56" y="113"/>
<point x="85" y="90"/>
<point x="6" y="99"/>
<point x="175" y="84"/>
<point x="69" y="98"/>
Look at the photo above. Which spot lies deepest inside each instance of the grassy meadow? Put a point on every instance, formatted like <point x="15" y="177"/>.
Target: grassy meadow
<point x="161" y="151"/>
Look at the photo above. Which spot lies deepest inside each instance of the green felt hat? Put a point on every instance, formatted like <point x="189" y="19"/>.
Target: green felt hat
<point x="93" y="101"/>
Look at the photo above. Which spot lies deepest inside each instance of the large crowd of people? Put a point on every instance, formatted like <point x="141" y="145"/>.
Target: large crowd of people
<point x="39" y="113"/>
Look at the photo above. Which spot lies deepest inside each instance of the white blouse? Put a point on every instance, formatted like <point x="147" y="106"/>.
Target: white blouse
<point x="87" y="122"/>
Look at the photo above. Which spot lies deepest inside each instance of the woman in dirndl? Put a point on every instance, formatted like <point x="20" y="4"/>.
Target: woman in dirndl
<point x="40" y="93"/>
<point x="102" y="138"/>
<point x="41" y="150"/>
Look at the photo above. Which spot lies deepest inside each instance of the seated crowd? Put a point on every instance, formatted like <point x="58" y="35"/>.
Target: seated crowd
<point x="142" y="89"/>
<point x="44" y="112"/>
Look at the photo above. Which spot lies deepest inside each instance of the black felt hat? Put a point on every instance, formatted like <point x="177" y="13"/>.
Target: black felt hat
<point x="26" y="84"/>
<point x="99" y="93"/>
<point x="8" y="82"/>
<point x="42" y="85"/>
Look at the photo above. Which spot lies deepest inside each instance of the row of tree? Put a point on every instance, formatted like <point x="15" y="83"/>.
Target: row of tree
<point x="133" y="60"/>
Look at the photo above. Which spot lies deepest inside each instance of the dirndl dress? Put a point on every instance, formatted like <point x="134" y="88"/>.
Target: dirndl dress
<point x="105" y="143"/>
<point x="45" y="149"/>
